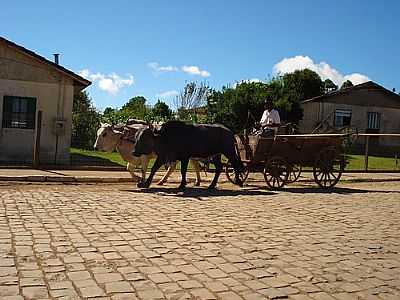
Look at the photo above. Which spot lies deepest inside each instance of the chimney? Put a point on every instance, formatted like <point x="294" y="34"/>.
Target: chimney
<point x="394" y="90"/>
<point x="56" y="58"/>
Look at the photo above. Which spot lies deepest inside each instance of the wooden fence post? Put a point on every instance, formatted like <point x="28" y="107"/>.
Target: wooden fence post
<point x="36" y="144"/>
<point x="366" y="153"/>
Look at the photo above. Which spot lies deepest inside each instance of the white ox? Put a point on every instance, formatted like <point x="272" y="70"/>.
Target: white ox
<point x="110" y="139"/>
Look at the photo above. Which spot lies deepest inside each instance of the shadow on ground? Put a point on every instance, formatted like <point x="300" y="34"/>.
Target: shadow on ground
<point x="334" y="190"/>
<point x="199" y="193"/>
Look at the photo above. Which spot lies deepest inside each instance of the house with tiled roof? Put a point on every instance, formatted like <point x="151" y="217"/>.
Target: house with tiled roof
<point x="363" y="108"/>
<point x="34" y="89"/>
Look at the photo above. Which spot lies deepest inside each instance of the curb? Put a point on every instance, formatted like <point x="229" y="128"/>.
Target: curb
<point x="66" y="179"/>
<point x="89" y="179"/>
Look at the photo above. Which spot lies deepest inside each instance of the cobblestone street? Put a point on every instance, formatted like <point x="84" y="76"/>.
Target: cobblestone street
<point x="109" y="241"/>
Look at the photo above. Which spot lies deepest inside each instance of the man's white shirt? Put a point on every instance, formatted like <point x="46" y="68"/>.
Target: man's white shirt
<point x="270" y="117"/>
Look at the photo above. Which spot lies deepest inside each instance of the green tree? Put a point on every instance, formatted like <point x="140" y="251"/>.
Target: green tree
<point x="135" y="108"/>
<point x="329" y="86"/>
<point x="346" y="84"/>
<point x="85" y="121"/>
<point x="111" y="116"/>
<point x="161" y="112"/>
<point x="241" y="107"/>
<point x="237" y="108"/>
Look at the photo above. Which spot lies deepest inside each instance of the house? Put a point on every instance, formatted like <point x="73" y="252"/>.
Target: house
<point x="29" y="84"/>
<point x="363" y="108"/>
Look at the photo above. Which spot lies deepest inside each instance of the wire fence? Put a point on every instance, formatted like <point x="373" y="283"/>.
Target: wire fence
<point x="363" y="152"/>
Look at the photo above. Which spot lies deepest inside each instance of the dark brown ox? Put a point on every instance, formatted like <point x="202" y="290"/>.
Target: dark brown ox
<point x="177" y="141"/>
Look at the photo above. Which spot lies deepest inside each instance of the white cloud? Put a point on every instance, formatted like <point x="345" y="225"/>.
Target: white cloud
<point x="291" y="64"/>
<point x="168" y="94"/>
<point x="194" y="70"/>
<point x="111" y="83"/>
<point x="161" y="69"/>
<point x="356" y="78"/>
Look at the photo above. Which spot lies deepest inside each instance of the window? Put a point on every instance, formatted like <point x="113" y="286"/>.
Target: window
<point x="19" y="112"/>
<point x="374" y="120"/>
<point x="342" y="117"/>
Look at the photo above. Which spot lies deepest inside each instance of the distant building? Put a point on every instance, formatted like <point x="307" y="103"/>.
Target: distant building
<point x="363" y="108"/>
<point x="30" y="83"/>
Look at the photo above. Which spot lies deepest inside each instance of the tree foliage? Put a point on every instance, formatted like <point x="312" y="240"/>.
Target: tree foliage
<point x="241" y="106"/>
<point x="346" y="84"/>
<point x="85" y="121"/>
<point x="329" y="86"/>
<point x="135" y="108"/>
<point x="161" y="111"/>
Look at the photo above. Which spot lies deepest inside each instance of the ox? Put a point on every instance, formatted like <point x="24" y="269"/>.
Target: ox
<point x="180" y="141"/>
<point x="121" y="138"/>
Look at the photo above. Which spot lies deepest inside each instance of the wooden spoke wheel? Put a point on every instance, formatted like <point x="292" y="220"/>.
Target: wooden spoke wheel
<point x="230" y="173"/>
<point x="276" y="172"/>
<point x="294" y="173"/>
<point x="328" y="167"/>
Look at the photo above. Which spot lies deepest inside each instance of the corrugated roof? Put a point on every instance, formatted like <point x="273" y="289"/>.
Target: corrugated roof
<point x="77" y="79"/>
<point x="369" y="85"/>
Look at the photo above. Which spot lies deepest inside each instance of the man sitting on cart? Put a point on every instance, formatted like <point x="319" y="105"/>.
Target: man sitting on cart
<point x="270" y="120"/>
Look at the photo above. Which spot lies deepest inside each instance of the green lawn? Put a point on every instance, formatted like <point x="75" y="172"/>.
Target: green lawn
<point x="88" y="157"/>
<point x="356" y="162"/>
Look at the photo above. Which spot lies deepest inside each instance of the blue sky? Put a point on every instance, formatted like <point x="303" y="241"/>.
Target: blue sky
<point x="152" y="48"/>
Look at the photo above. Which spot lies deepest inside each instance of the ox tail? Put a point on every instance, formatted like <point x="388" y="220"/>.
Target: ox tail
<point x="240" y="163"/>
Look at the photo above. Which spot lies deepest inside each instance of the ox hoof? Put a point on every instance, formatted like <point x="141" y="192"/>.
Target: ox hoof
<point x="211" y="187"/>
<point x="181" y="187"/>
<point x="160" y="182"/>
<point x="197" y="183"/>
<point x="239" y="183"/>
<point x="142" y="185"/>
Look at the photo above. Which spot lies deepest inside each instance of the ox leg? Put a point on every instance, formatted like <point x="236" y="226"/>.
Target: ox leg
<point x="154" y="169"/>
<point x="171" y="169"/>
<point x="184" y="165"/>
<point x="130" y="168"/>
<point x="144" y="163"/>
<point x="196" y="167"/>
<point x="216" y="160"/>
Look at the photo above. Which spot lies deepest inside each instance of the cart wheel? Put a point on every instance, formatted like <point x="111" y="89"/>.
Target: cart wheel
<point x="328" y="167"/>
<point x="294" y="173"/>
<point x="230" y="173"/>
<point x="276" y="172"/>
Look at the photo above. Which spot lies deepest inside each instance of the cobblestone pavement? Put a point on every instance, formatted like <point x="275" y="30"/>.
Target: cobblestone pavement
<point x="116" y="242"/>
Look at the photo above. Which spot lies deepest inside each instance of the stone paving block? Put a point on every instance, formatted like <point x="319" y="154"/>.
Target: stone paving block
<point x="118" y="287"/>
<point x="78" y="275"/>
<point x="124" y="296"/>
<point x="150" y="294"/>
<point x="9" y="290"/>
<point x="159" y="278"/>
<point x="190" y="284"/>
<point x="202" y="293"/>
<point x="35" y="292"/>
<point x="229" y="296"/>
<point x="91" y="291"/>
<point x="107" y="277"/>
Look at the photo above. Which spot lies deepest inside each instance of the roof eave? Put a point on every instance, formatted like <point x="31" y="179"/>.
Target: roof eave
<point x="77" y="79"/>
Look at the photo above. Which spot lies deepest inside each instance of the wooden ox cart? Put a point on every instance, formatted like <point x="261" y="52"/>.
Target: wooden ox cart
<point x="282" y="157"/>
